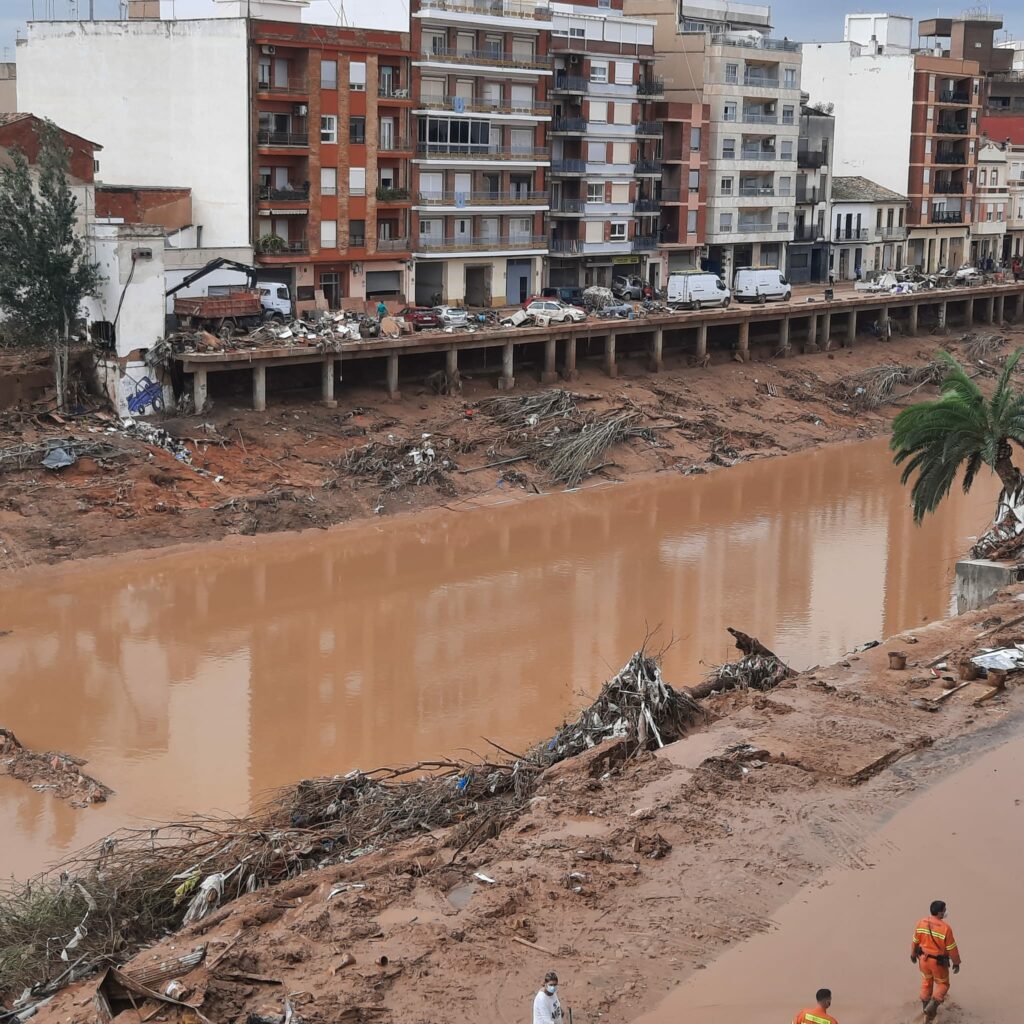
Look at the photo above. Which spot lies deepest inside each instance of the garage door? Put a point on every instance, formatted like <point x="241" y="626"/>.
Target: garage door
<point x="383" y="282"/>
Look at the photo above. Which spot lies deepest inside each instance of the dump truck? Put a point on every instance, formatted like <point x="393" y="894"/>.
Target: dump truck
<point x="243" y="309"/>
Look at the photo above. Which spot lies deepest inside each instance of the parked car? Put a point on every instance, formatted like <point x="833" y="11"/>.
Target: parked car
<point x="570" y="296"/>
<point x="555" y="312"/>
<point x="419" y="317"/>
<point x="451" y="316"/>
<point x="759" y="284"/>
<point x="531" y="298"/>
<point x="692" y="291"/>
<point x="628" y="287"/>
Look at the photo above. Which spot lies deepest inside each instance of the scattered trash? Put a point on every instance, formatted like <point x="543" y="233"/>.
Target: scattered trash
<point x="346" y="887"/>
<point x="484" y="878"/>
<point x="60" y="774"/>
<point x="58" y="452"/>
<point x="1008" y="659"/>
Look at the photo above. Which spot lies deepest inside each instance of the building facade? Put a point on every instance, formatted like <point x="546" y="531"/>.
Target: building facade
<point x="992" y="204"/>
<point x="1013" y="242"/>
<point x="481" y="73"/>
<point x="682" y="196"/>
<point x="868" y="228"/>
<point x="808" y="258"/>
<point x="8" y="87"/>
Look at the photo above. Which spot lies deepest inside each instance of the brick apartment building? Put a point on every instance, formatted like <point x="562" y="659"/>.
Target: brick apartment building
<point x="332" y="142"/>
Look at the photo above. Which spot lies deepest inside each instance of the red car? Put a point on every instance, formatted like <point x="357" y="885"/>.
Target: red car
<point x="419" y="317"/>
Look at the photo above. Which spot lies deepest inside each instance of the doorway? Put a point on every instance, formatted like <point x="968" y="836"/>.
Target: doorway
<point x="517" y="281"/>
<point x="478" y="286"/>
<point x="429" y="284"/>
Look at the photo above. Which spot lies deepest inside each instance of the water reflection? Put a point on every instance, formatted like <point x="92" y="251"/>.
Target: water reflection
<point x="198" y="681"/>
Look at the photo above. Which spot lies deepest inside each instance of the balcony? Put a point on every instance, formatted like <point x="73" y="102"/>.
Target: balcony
<point x="892" y="232"/>
<point x="752" y="154"/>
<point x="491" y="8"/>
<point x="386" y="91"/>
<point x="272" y="245"/>
<point x="282" y="139"/>
<point x="851" y="235"/>
<point x="762" y="43"/>
<point x="950" y="158"/>
<point x="756" y="190"/>
<point x="393" y="244"/>
<point x="567" y="246"/>
<point x="290" y="194"/>
<point x="484" y="105"/>
<point x="568" y="208"/>
<point x="947" y="217"/>
<point x="392" y="195"/>
<point x="807" y="233"/>
<point x="458" y="200"/>
<point x="651" y="128"/>
<point x="952" y="188"/>
<point x="294" y="85"/>
<point x="807" y="195"/>
<point x="760" y="81"/>
<point x="568" y="167"/>
<point x="568" y="126"/>
<point x="949" y="96"/>
<point x="569" y="84"/>
<point x="646" y="205"/>
<point x="645" y="243"/>
<point x="755" y="118"/>
<point x="649" y="88"/>
<point x="492" y="58"/>
<point x="671" y="195"/>
<point x="480" y="152"/>
<point x="811" y="158"/>
<point x="357" y="241"/>
<point x="395" y="145"/>
<point x="645" y="167"/>
<point x="481" y="243"/>
<point x="951" y="128"/>
<point x="747" y="227"/>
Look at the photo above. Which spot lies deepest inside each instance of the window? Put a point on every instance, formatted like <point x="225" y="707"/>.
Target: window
<point x="595" y="191"/>
<point x="521" y="140"/>
<point x="576" y="32"/>
<point x="328" y="74"/>
<point x="931" y="113"/>
<point x="789" y="78"/>
<point x="993" y="178"/>
<point x="729" y="112"/>
<point x="878" y="218"/>
<point x="981" y="176"/>
<point x="999" y="213"/>
<point x="728" y="149"/>
<point x="617" y="231"/>
<point x="599" y="71"/>
<point x="434" y="42"/>
<point x="357" y="233"/>
<point x="620" y="192"/>
<point x="926" y="175"/>
<point x="786" y="186"/>
<point x="788" y="115"/>
<point x="598" y="111"/>
<point x="924" y="207"/>
<point x="328" y="181"/>
<point x="691" y="222"/>
<point x="357" y="129"/>
<point x="901" y="216"/>
<point x="694" y="138"/>
<point x="725" y="222"/>
<point x="594" y="231"/>
<point x="357" y="76"/>
<point x="264" y="73"/>
<point x="621" y="153"/>
<point x="623" y="72"/>
<point x="597" y="152"/>
<point x="783" y="221"/>
<point x="726" y="187"/>
<point x="328" y="234"/>
<point x="605" y="4"/>
<point x="786" y="149"/>
<point x="732" y="73"/>
<point x="694" y="181"/>
<point x="623" y="113"/>
<point x="328" y="128"/>
<point x="522" y="51"/>
<point x="357" y="181"/>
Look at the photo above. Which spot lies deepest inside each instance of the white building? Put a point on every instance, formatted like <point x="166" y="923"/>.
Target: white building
<point x="1014" y="244"/>
<point x="992" y="201"/>
<point x="868" y="229"/>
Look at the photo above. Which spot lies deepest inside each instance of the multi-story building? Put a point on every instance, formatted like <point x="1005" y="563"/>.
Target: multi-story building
<point x="1013" y="244"/>
<point x="331" y="122"/>
<point x="8" y="87"/>
<point x="481" y="71"/>
<point x="605" y="146"/>
<point x="868" y="229"/>
<point x="925" y="146"/>
<point x="808" y="257"/>
<point x="992" y="201"/>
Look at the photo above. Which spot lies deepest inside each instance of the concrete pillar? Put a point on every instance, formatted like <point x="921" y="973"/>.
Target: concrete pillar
<point x="549" y="374"/>
<point x="1019" y="315"/>
<point x="610" y="366"/>
<point x="507" y="380"/>
<point x="702" y="341"/>
<point x="451" y="363"/>
<point x="569" y="371"/>
<point x="969" y="311"/>
<point x="744" y="340"/>
<point x="657" y="340"/>
<point x="851" y="328"/>
<point x="784" y="335"/>
<point x="912" y="323"/>
<point x="327" y="382"/>
<point x="989" y="312"/>
<point x="393" y="392"/>
<point x="200" y="392"/>
<point x="941" y="318"/>
<point x="883" y="321"/>
<point x="259" y="387"/>
<point x="812" y="333"/>
<point x="1000" y="309"/>
<point x="826" y="331"/>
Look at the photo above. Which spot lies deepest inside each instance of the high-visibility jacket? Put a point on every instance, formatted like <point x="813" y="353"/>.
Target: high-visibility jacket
<point x="935" y="938"/>
<point x="815" y="1016"/>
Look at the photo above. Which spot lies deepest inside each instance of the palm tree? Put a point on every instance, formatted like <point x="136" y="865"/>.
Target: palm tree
<point x="962" y="428"/>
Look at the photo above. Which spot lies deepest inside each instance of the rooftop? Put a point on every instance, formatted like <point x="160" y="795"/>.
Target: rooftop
<point x="855" y="189"/>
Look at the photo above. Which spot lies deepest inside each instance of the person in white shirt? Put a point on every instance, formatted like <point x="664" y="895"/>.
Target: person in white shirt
<point x="546" y="1007"/>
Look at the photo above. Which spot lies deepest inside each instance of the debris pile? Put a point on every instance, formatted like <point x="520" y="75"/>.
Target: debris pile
<point x="57" y="452"/>
<point x="758" y="669"/>
<point x="873" y="387"/>
<point x="982" y="348"/>
<point x="397" y="464"/>
<point x="60" y="774"/>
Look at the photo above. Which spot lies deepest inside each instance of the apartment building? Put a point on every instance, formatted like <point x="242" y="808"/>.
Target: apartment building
<point x="868" y="228"/>
<point x="1013" y="243"/>
<point x="8" y="87"/>
<point x="808" y="257"/>
<point x="925" y="146"/>
<point x="992" y="204"/>
<point x="605" y="147"/>
<point x="331" y="121"/>
<point x="481" y="72"/>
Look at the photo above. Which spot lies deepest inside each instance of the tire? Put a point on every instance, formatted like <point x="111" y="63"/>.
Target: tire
<point x="787" y="297"/>
<point x="697" y="305"/>
<point x="725" y="305"/>
<point x="762" y="299"/>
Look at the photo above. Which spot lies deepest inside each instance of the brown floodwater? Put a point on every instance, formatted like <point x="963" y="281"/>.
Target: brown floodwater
<point x="198" y="680"/>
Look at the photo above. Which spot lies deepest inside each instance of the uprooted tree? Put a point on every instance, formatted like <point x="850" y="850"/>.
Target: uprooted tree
<point x="45" y="272"/>
<point x="963" y="429"/>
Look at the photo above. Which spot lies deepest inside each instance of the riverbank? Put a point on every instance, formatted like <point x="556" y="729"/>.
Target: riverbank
<point x="625" y="878"/>
<point x="234" y="471"/>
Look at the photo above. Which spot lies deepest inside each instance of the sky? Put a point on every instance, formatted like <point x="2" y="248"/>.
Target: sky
<point x="797" y="19"/>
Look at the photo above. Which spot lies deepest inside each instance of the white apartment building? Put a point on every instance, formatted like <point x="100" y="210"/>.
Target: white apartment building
<point x="1014" y="240"/>
<point x="991" y="204"/>
<point x="868" y="230"/>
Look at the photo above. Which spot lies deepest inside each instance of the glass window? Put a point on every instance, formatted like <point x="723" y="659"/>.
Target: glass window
<point x="993" y="178"/>
<point x="726" y="188"/>
<point x="694" y="181"/>
<point x="732" y="72"/>
<point x="786" y="185"/>
<point x="621" y="153"/>
<point x="789" y="78"/>
<point x="597" y="152"/>
<point x="620" y="192"/>
<point x="599" y="71"/>
<point x="599" y="111"/>
<point x="728" y="149"/>
<point x="623" y="72"/>
<point x="328" y="128"/>
<point x="788" y="115"/>
<point x="357" y="181"/>
<point x="595" y="191"/>
<point x="328" y="181"/>
<point x="357" y="129"/>
<point x="357" y="232"/>
<point x="695" y="138"/>
<point x="729" y="112"/>
<point x="725" y="222"/>
<point x="617" y="232"/>
<point x="357" y="76"/>
<point x="264" y="73"/>
<point x="328" y="74"/>
<point x="691" y="222"/>
<point x="623" y="113"/>
<point x="329" y="234"/>
<point x="784" y="220"/>
<point x="786" y="149"/>
<point x="981" y="176"/>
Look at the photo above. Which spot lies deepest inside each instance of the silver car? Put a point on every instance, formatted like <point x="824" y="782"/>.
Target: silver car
<point x="451" y="316"/>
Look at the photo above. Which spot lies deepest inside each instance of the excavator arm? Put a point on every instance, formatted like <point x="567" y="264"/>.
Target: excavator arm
<point x="216" y="264"/>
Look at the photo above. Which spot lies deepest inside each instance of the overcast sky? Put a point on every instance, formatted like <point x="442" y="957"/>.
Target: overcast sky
<point x="797" y="19"/>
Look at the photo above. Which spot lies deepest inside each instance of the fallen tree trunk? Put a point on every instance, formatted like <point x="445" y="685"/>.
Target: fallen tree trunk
<point x="758" y="669"/>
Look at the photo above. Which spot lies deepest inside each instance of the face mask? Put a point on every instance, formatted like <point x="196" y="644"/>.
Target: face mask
<point x="550" y="989"/>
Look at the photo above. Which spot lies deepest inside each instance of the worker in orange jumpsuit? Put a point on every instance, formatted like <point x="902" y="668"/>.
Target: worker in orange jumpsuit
<point x="819" y="1014"/>
<point x="934" y="950"/>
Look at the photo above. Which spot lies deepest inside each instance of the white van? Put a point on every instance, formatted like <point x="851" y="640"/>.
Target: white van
<point x="761" y="284"/>
<point x="691" y="291"/>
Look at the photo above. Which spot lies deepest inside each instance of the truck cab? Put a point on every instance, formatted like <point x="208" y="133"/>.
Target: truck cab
<point x="276" y="300"/>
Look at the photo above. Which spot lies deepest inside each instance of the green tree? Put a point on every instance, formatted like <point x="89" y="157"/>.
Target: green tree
<point x="961" y="429"/>
<point x="45" y="272"/>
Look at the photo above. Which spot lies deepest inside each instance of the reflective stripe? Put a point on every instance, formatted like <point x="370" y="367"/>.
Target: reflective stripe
<point x="810" y="1018"/>
<point x="951" y="945"/>
<point x="928" y="931"/>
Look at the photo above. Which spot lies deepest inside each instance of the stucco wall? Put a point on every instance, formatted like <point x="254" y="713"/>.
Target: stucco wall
<point x="168" y="101"/>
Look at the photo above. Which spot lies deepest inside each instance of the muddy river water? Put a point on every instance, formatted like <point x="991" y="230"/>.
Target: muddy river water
<point x="198" y="680"/>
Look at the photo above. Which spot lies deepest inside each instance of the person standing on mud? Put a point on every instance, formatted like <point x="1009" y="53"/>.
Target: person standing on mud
<point x="819" y="1014"/>
<point x="934" y="950"/>
<point x="546" y="1007"/>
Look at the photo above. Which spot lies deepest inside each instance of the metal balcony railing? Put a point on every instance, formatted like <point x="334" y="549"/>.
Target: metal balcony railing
<point x="646" y="205"/>
<point x="484" y="105"/>
<point x="393" y="244"/>
<point x="810" y="158"/>
<point x="647" y="167"/>
<point x="569" y="206"/>
<point x="761" y="43"/>
<point x="392" y="195"/>
<point x="760" y="81"/>
<point x="481" y="243"/>
<point x="294" y="84"/>
<point x="461" y="199"/>
<point x="892" y="232"/>
<point x="569" y="83"/>
<point x="568" y="167"/>
<point x="950" y="158"/>
<point x="497" y="58"/>
<point x="271" y="245"/>
<point x="851" y="235"/>
<point x="947" y="216"/>
<point x="480" y="151"/>
<point x="650" y="128"/>
<point x="394" y="145"/>
<point x="807" y="233"/>
<point x="566" y="245"/>
<point x="392" y="92"/>
<point x="568" y="124"/>
<point x="757" y="190"/>
<point x="755" y="118"/>
<point x="357" y="241"/>
<point x="294" y="193"/>
<point x="650" y="87"/>
<point x="266" y="138"/>
<point x="955" y="188"/>
<point x="494" y="8"/>
<point x="806" y="195"/>
<point x="670" y="195"/>
<point x="644" y="243"/>
<point x="951" y="128"/>
<point x="756" y="154"/>
<point x="950" y="96"/>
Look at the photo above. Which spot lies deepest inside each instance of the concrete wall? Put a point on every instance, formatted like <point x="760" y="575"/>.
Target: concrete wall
<point x="8" y="88"/>
<point x="864" y="89"/>
<point x="978" y="580"/>
<point x="168" y="101"/>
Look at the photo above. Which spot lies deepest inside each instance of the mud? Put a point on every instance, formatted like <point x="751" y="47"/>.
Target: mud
<point x="51" y="772"/>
